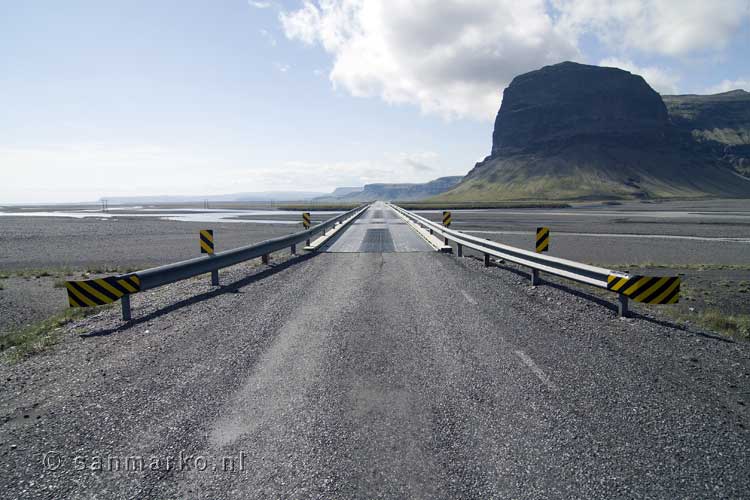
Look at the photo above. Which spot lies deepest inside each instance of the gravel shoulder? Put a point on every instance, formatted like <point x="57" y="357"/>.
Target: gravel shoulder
<point x="380" y="375"/>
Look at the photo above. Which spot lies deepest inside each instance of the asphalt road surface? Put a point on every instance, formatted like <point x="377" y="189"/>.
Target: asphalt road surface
<point x="379" y="230"/>
<point x="376" y="375"/>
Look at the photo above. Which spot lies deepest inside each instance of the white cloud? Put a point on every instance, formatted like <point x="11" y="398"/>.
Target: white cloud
<point x="421" y="162"/>
<point x="454" y="57"/>
<point x="418" y="166"/>
<point x="281" y="67"/>
<point x="659" y="79"/>
<point x="268" y="37"/>
<point x="450" y="57"/>
<point x="259" y="5"/>
<point x="727" y="85"/>
<point x="667" y="27"/>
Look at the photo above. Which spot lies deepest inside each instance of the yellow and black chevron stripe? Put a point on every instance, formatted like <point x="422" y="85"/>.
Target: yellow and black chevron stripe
<point x="101" y="291"/>
<point x="207" y="241"/>
<point x="648" y="289"/>
<point x="542" y="239"/>
<point x="306" y="220"/>
<point x="447" y="218"/>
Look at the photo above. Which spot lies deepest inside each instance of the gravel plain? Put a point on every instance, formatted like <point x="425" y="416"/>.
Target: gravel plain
<point x="67" y="248"/>
<point x="373" y="375"/>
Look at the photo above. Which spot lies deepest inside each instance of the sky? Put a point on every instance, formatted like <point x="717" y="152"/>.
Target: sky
<point x="195" y="97"/>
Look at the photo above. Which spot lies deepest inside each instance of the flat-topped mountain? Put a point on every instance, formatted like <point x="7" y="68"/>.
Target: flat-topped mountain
<point x="572" y="103"/>
<point x="401" y="192"/>
<point x="574" y="131"/>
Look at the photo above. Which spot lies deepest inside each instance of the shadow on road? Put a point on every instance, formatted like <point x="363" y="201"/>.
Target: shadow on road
<point x="229" y="288"/>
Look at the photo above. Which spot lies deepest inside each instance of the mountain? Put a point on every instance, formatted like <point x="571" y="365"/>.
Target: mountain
<point x="400" y="192"/>
<point x="261" y="196"/>
<point x="720" y="121"/>
<point x="343" y="191"/>
<point x="574" y="131"/>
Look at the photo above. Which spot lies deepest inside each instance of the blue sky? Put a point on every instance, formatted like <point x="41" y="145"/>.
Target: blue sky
<point x="192" y="97"/>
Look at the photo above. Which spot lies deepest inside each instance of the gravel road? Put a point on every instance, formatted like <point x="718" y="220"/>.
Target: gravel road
<point x="377" y="375"/>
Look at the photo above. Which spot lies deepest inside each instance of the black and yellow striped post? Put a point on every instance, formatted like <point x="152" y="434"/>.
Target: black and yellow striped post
<point x="208" y="246"/>
<point x="306" y="221"/>
<point x="100" y="291"/>
<point x="542" y="239"/>
<point x="207" y="241"/>
<point x="645" y="289"/>
<point x="447" y="219"/>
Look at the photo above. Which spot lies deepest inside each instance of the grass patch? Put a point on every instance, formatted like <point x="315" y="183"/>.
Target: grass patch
<point x="477" y="205"/>
<point x="111" y="270"/>
<point x="689" y="267"/>
<point x="39" y="273"/>
<point x="733" y="325"/>
<point x="37" y="337"/>
<point x="64" y="272"/>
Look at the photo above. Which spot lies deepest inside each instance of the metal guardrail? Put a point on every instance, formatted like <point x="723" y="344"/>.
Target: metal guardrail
<point x="211" y="263"/>
<point x="632" y="286"/>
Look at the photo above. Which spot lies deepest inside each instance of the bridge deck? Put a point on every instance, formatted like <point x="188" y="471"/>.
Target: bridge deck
<point x="379" y="230"/>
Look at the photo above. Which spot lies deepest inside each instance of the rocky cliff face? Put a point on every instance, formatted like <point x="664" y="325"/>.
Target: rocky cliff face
<point x="573" y="103"/>
<point x="720" y="122"/>
<point x="572" y="131"/>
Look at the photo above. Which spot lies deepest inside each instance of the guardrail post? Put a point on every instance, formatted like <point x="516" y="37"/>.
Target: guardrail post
<point x="460" y="249"/>
<point x="622" y="306"/>
<point x="215" y="277"/>
<point x="534" y="277"/>
<point x="125" y="301"/>
<point x="264" y="258"/>
<point x="486" y="260"/>
<point x="294" y="250"/>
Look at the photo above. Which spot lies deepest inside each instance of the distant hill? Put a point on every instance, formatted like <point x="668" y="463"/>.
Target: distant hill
<point x="344" y="191"/>
<point x="719" y="121"/>
<point x="401" y="192"/>
<point x="574" y="131"/>
<point x="261" y="197"/>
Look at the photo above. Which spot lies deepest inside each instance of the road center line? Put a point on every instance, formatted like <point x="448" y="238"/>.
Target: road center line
<point x="468" y="298"/>
<point x="537" y="371"/>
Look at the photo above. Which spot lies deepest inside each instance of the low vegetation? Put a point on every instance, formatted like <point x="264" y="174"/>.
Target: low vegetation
<point x="429" y="205"/>
<point x="733" y="325"/>
<point x="37" y="337"/>
<point x="65" y="272"/>
<point x="323" y="207"/>
<point x="687" y="267"/>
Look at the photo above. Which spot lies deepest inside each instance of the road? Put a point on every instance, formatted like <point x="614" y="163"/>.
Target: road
<point x="379" y="230"/>
<point x="378" y="375"/>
